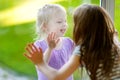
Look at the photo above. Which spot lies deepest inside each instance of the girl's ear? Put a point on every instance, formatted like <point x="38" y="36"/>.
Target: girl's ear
<point x="44" y="27"/>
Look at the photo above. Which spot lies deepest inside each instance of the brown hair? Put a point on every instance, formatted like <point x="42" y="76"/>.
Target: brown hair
<point x="94" y="32"/>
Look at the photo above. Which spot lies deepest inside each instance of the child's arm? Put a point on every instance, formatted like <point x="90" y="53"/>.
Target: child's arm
<point x="36" y="56"/>
<point x="52" y="42"/>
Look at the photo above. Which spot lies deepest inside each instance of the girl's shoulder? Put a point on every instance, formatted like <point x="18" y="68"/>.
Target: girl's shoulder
<point x="67" y="40"/>
<point x="68" y="43"/>
<point x="41" y="44"/>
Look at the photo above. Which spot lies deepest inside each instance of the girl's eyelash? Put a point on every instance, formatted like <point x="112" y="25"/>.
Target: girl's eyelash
<point x="59" y="21"/>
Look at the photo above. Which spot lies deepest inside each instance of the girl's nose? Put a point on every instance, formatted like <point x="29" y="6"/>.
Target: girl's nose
<point x="65" y="24"/>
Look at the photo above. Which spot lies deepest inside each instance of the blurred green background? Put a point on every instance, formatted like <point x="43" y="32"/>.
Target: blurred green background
<point x="17" y="28"/>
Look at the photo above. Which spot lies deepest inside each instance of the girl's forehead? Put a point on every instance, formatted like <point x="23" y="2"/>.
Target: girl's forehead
<point x="59" y="17"/>
<point x="58" y="14"/>
<point x="58" y="10"/>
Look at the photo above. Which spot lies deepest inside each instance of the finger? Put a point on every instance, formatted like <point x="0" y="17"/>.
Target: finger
<point x="35" y="48"/>
<point x="40" y="49"/>
<point x="31" y="47"/>
<point x="28" y="50"/>
<point x="29" y="57"/>
<point x="28" y="47"/>
<point x="53" y="36"/>
<point x="57" y="40"/>
<point x="49" y="37"/>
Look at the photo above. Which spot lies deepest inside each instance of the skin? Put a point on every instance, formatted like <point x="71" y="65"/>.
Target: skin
<point x="56" y="28"/>
<point x="36" y="56"/>
<point x="52" y="43"/>
<point x="57" y="25"/>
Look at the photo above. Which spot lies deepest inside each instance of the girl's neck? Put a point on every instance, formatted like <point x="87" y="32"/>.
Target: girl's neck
<point x="59" y="45"/>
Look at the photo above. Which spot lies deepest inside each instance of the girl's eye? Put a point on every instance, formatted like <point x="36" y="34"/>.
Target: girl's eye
<point x="59" y="21"/>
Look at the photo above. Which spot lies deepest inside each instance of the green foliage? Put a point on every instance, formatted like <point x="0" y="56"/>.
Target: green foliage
<point x="13" y="39"/>
<point x="5" y="4"/>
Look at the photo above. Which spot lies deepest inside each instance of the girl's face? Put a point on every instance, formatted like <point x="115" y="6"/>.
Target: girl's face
<point x="57" y="24"/>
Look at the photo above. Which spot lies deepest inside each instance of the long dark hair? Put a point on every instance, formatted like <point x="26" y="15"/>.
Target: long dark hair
<point x="94" y="32"/>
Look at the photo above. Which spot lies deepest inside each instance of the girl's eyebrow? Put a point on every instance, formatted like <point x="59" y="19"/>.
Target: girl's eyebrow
<point x="61" y="18"/>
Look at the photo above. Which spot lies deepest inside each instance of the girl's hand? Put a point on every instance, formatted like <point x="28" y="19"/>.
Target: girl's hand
<point x="52" y="41"/>
<point x="34" y="54"/>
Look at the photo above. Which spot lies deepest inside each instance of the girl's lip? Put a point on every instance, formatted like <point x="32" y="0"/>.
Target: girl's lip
<point x="63" y="30"/>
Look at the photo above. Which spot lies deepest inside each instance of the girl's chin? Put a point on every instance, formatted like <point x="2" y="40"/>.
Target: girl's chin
<point x="60" y="36"/>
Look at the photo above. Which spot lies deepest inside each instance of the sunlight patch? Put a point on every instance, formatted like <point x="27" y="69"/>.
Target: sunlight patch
<point x="26" y="12"/>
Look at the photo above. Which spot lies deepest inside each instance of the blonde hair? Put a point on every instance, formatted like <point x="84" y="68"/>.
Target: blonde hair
<point x="44" y="15"/>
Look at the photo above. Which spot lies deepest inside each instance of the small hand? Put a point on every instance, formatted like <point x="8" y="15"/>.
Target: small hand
<point x="34" y="54"/>
<point x="52" y="41"/>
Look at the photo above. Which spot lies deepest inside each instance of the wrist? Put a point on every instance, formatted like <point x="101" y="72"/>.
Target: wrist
<point x="50" y="49"/>
<point x="40" y="66"/>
